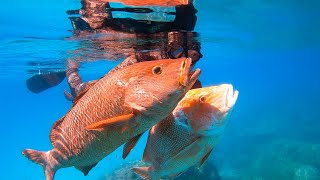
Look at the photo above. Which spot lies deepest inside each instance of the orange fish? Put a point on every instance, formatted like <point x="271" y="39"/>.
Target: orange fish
<point x="152" y="2"/>
<point x="187" y="137"/>
<point x="114" y="110"/>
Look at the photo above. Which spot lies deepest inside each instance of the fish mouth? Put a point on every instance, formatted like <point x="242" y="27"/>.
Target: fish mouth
<point x="231" y="96"/>
<point x="186" y="77"/>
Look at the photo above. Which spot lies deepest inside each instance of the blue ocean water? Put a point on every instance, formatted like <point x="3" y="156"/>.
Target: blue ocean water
<point x="269" y="51"/>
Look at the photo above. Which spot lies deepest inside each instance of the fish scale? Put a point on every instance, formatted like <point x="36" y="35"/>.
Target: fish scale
<point x="108" y="113"/>
<point x="187" y="137"/>
<point x="167" y="130"/>
<point x="102" y="144"/>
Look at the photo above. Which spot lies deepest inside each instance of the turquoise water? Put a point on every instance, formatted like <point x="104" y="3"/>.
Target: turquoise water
<point x="268" y="50"/>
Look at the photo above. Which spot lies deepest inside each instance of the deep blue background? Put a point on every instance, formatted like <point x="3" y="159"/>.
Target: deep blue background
<point x="268" y="50"/>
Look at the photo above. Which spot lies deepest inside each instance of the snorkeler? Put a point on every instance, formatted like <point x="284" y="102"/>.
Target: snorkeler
<point x="175" y="40"/>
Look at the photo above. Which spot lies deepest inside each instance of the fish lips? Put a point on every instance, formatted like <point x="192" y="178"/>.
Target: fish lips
<point x="186" y="77"/>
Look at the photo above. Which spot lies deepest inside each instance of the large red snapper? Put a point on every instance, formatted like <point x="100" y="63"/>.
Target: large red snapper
<point x="114" y="110"/>
<point x="187" y="137"/>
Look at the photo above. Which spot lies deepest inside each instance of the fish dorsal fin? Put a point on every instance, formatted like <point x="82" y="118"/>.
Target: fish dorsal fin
<point x="85" y="169"/>
<point x="82" y="92"/>
<point x="205" y="158"/>
<point x="130" y="145"/>
<point x="122" y="123"/>
<point x="55" y="130"/>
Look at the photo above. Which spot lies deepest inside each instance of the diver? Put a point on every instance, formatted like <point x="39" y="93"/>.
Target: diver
<point x="177" y="40"/>
<point x="163" y="40"/>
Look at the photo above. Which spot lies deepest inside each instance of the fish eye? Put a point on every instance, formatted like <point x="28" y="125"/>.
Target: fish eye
<point x="202" y="99"/>
<point x="157" y="70"/>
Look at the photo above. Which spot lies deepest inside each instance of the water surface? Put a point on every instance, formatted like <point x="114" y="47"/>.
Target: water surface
<point x="268" y="50"/>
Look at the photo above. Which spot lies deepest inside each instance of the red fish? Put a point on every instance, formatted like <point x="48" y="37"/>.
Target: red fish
<point x="188" y="136"/>
<point x="114" y="110"/>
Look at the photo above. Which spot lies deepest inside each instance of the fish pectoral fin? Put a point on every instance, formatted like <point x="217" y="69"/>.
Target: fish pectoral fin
<point x="85" y="169"/>
<point x="205" y="158"/>
<point x="130" y="145"/>
<point x="146" y="173"/>
<point x="188" y="152"/>
<point x="122" y="123"/>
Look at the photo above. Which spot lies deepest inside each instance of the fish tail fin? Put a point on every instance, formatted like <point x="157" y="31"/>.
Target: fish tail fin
<point x="41" y="159"/>
<point x="146" y="173"/>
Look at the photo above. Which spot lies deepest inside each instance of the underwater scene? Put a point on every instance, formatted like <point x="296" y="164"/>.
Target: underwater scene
<point x="160" y="89"/>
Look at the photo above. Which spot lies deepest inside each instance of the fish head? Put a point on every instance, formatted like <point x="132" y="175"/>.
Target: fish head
<point x="160" y="85"/>
<point x="208" y="109"/>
